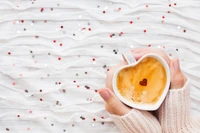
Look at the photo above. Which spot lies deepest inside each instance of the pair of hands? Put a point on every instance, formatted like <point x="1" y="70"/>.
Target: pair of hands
<point x="113" y="105"/>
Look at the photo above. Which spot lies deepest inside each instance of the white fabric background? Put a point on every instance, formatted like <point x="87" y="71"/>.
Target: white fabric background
<point x="33" y="65"/>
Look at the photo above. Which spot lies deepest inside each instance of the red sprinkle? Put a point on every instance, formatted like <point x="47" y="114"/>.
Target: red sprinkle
<point x="168" y="12"/>
<point x="94" y="119"/>
<point x="59" y="58"/>
<point x="41" y="99"/>
<point x="9" y="53"/>
<point x="104" y="12"/>
<point x="18" y="115"/>
<point x="184" y="30"/>
<point x="131" y="22"/>
<point x="170" y="5"/>
<point x="108" y="69"/>
<point x="93" y="59"/>
<point x="149" y="45"/>
<point x="40" y="90"/>
<point x="175" y="4"/>
<point x="42" y="9"/>
<point x="163" y="16"/>
<point x="96" y="90"/>
<point x="61" y="26"/>
<point x="147" y="6"/>
<point x="61" y="44"/>
<point x="54" y="41"/>
<point x="89" y="29"/>
<point x="145" y="31"/>
<point x="22" y="21"/>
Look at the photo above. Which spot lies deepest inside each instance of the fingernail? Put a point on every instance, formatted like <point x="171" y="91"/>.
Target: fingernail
<point x="105" y="94"/>
<point x="176" y="65"/>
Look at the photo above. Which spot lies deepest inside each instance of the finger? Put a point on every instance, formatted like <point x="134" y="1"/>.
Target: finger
<point x="114" y="104"/>
<point x="138" y="53"/>
<point x="177" y="77"/>
<point x="111" y="72"/>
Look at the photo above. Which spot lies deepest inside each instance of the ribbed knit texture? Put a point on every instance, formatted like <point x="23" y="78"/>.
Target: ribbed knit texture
<point x="137" y="122"/>
<point x="173" y="116"/>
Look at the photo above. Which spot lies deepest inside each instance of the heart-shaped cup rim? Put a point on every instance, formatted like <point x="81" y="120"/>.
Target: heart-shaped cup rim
<point x="143" y="106"/>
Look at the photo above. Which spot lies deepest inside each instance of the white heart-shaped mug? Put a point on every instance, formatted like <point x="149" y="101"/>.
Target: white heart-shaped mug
<point x="129" y="57"/>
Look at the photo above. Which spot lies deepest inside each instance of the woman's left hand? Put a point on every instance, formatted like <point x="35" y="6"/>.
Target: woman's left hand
<point x="112" y="104"/>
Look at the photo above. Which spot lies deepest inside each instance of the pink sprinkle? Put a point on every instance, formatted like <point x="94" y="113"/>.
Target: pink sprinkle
<point x="30" y="111"/>
<point x="20" y="74"/>
<point x="14" y="83"/>
<point x="147" y="6"/>
<point x="119" y="8"/>
<point x="149" y="45"/>
<point x="28" y="128"/>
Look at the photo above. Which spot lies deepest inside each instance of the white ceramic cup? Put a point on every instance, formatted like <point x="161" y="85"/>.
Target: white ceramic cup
<point x="129" y="57"/>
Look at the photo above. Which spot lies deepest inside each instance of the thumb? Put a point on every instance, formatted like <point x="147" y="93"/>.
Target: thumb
<point x="114" y="105"/>
<point x="177" y="77"/>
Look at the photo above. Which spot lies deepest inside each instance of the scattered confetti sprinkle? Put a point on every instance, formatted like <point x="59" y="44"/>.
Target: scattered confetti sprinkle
<point x="42" y="9"/>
